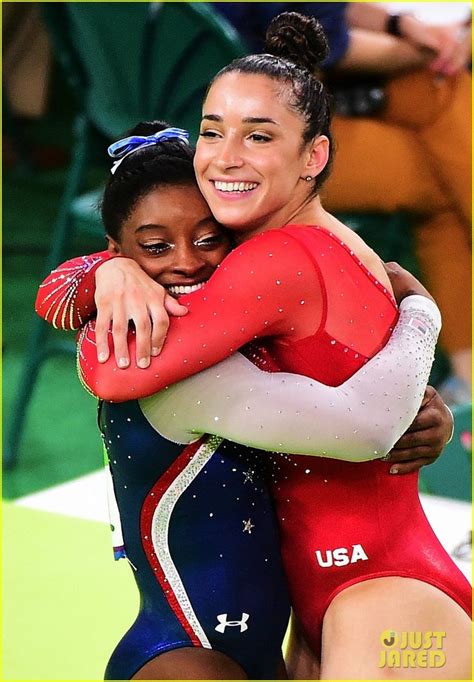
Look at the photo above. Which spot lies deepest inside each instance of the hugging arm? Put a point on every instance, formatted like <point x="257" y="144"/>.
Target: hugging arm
<point x="254" y="293"/>
<point x="421" y="444"/>
<point x="356" y="421"/>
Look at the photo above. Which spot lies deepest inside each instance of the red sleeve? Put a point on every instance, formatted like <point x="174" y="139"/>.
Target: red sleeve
<point x="65" y="299"/>
<point x="268" y="286"/>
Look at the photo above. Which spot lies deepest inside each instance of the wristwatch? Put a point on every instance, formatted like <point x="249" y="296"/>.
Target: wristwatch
<point x="393" y="25"/>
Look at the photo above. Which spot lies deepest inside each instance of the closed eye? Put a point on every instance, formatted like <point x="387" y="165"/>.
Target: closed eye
<point x="157" y="249"/>
<point x="209" y="134"/>
<point x="209" y="242"/>
<point x="259" y="137"/>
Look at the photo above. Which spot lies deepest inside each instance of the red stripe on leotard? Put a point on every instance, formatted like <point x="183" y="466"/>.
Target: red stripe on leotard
<point x="148" y="509"/>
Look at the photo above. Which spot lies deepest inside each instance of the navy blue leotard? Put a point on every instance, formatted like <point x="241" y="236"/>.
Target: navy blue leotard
<point x="199" y="529"/>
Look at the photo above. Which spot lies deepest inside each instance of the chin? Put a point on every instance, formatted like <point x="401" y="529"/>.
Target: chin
<point x="232" y="220"/>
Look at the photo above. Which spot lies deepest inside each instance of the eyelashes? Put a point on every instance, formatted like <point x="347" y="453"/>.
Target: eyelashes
<point x="160" y="248"/>
<point x="255" y="137"/>
<point x="216" y="240"/>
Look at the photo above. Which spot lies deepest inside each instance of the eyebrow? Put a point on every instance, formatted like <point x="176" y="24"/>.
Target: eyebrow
<point x="248" y="119"/>
<point x="150" y="226"/>
<point x="156" y="226"/>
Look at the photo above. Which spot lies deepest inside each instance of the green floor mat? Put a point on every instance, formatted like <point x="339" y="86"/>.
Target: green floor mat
<point x="66" y="603"/>
<point x="60" y="440"/>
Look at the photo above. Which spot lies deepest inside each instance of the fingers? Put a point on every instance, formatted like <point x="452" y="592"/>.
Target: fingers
<point x="455" y="54"/>
<point x="159" y="328"/>
<point x="150" y="334"/>
<point x="430" y="393"/>
<point x="120" y="338"/>
<point x="152" y="326"/>
<point x="409" y="467"/>
<point x="409" y="453"/>
<point x="160" y="322"/>
<point x="102" y="327"/>
<point x="427" y="443"/>
<point x="425" y="439"/>
<point x="143" y="329"/>
<point x="405" y="461"/>
<point x="173" y="307"/>
<point x="433" y="414"/>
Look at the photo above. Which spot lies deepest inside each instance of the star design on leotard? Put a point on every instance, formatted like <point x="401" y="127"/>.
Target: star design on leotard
<point x="248" y="525"/>
<point x="248" y="475"/>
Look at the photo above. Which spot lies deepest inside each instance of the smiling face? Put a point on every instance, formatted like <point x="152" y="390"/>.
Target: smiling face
<point x="174" y="238"/>
<point x="250" y="159"/>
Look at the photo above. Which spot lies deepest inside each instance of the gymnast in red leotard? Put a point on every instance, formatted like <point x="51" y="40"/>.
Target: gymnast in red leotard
<point x="360" y="555"/>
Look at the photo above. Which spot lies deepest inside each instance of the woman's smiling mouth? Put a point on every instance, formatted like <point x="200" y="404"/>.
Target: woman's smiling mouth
<point x="235" y="186"/>
<point x="180" y="289"/>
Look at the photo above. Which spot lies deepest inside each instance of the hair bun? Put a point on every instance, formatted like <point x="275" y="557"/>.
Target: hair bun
<point x="147" y="128"/>
<point x="298" y="38"/>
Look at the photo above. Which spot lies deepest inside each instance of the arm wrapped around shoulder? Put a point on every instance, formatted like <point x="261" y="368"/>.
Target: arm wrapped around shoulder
<point x="356" y="421"/>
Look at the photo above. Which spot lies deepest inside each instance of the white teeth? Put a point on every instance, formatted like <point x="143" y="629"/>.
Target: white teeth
<point x="181" y="289"/>
<point x="234" y="186"/>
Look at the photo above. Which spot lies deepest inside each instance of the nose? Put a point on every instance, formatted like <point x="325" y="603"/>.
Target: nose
<point x="188" y="261"/>
<point x="229" y="153"/>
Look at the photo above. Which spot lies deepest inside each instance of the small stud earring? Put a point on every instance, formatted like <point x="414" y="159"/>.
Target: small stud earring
<point x="308" y="178"/>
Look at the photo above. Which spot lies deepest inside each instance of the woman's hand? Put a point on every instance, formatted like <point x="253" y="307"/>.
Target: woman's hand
<point x="125" y="293"/>
<point x="404" y="283"/>
<point x="425" y="439"/>
<point x="456" y="52"/>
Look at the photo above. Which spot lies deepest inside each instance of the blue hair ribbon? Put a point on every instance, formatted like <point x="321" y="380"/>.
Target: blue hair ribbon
<point x="122" y="148"/>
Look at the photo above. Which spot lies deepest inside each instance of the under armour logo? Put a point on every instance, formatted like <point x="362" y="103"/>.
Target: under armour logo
<point x="223" y="622"/>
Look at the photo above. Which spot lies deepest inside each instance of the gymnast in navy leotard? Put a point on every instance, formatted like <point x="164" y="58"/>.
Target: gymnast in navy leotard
<point x="196" y="520"/>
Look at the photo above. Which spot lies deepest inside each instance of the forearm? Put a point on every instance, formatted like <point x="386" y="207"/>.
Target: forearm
<point x="357" y="421"/>
<point x="380" y="53"/>
<point x="367" y="15"/>
<point x="222" y="317"/>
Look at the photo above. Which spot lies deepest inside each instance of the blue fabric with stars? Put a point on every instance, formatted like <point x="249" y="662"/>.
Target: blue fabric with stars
<point x="222" y="539"/>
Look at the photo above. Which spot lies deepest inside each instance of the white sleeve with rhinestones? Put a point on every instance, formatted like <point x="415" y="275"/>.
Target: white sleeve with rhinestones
<point x="357" y="421"/>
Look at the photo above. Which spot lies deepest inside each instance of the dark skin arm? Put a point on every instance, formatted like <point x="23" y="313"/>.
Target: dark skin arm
<point x="432" y="428"/>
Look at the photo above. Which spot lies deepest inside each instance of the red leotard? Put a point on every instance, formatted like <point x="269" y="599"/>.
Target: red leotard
<point x="298" y="287"/>
<point x="323" y="315"/>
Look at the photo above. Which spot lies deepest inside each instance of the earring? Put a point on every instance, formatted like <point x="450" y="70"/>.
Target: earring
<point x="308" y="178"/>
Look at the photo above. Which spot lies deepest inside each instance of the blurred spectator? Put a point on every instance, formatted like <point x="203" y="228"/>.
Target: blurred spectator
<point x="26" y="58"/>
<point x="412" y="154"/>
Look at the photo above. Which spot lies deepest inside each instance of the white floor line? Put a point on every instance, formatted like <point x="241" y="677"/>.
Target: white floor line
<point x="85" y="498"/>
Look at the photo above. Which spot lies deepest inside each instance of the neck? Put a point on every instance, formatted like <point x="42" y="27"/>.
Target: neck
<point x="310" y="212"/>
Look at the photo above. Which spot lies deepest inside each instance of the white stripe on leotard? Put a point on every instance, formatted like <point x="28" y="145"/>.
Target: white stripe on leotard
<point x="160" y="528"/>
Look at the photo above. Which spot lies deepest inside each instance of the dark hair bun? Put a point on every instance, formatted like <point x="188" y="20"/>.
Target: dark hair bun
<point x="298" y="38"/>
<point x="147" y="128"/>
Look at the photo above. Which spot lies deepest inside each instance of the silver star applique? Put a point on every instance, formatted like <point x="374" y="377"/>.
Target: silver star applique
<point x="248" y="475"/>
<point x="248" y="525"/>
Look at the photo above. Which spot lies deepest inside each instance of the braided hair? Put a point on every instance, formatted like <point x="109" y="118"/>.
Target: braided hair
<point x="295" y="45"/>
<point x="170" y="162"/>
